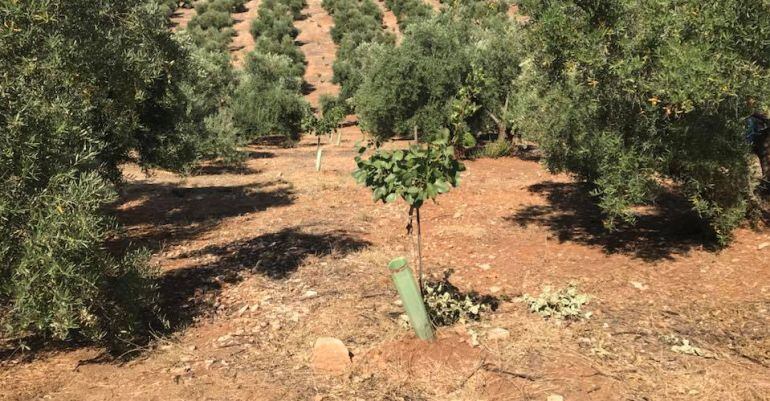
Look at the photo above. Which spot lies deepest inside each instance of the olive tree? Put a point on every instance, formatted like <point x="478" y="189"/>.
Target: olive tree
<point x="84" y="87"/>
<point x="629" y="95"/>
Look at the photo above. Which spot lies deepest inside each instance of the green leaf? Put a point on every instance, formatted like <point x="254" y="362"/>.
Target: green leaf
<point x="442" y="186"/>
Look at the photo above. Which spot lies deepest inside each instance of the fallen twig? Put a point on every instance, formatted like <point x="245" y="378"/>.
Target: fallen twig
<point x="526" y="376"/>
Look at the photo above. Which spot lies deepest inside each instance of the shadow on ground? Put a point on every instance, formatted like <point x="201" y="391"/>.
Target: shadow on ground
<point x="218" y="169"/>
<point x="572" y="215"/>
<point x="277" y="255"/>
<point x="162" y="214"/>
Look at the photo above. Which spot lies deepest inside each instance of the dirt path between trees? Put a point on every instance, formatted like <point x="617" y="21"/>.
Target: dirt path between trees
<point x="259" y="262"/>
<point x="319" y="51"/>
<point x="243" y="42"/>
<point x="389" y="20"/>
<point x="181" y="17"/>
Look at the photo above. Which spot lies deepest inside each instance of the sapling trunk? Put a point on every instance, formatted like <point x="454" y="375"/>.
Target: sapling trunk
<point x="416" y="140"/>
<point x="319" y="152"/>
<point x="339" y="137"/>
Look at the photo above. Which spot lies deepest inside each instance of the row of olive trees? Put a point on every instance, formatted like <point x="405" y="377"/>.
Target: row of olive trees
<point x="85" y="87"/>
<point x="211" y="26"/>
<point x="409" y="11"/>
<point x="450" y="73"/>
<point x="269" y="95"/>
<point x="357" y="29"/>
<point x="598" y="87"/>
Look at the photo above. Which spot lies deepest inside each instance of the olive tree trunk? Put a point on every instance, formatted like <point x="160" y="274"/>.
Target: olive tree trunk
<point x="762" y="148"/>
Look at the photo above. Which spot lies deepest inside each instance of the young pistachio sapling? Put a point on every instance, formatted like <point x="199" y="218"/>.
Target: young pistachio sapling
<point x="415" y="174"/>
<point x="327" y="124"/>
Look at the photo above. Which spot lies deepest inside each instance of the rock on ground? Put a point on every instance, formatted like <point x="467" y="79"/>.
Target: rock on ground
<point x="330" y="356"/>
<point x="498" y="333"/>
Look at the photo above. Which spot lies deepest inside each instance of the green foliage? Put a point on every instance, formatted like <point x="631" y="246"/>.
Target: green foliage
<point x="63" y="281"/>
<point x="357" y="29"/>
<point x="273" y="111"/>
<point x="268" y="100"/>
<point x="334" y="105"/>
<point x="230" y="6"/>
<point x="285" y="46"/>
<point x="409" y="11"/>
<point x="494" y="150"/>
<point x="294" y="6"/>
<point x="212" y="18"/>
<point x="333" y="111"/>
<point x="415" y="174"/>
<point x="564" y="304"/>
<point x="274" y="22"/>
<point x="85" y="87"/>
<point x="224" y="138"/>
<point x="210" y="27"/>
<point x="447" y="305"/>
<point x="211" y="39"/>
<point x="625" y="93"/>
<point x="413" y="85"/>
<point x="273" y="70"/>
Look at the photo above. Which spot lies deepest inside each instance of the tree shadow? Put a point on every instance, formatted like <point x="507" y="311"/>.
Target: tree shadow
<point x="217" y="169"/>
<point x="259" y="154"/>
<point x="189" y="292"/>
<point x="669" y="228"/>
<point x="307" y="88"/>
<point x="155" y="215"/>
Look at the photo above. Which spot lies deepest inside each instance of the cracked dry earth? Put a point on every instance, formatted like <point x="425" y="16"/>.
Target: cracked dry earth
<point x="259" y="262"/>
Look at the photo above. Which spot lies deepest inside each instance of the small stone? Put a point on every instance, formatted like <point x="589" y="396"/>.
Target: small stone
<point x="243" y="310"/>
<point x="309" y="294"/>
<point x="485" y="266"/>
<point x="555" y="397"/>
<point x="208" y="363"/>
<point x="180" y="370"/>
<point x="763" y="246"/>
<point x="330" y="356"/>
<point x="398" y="302"/>
<point x="498" y="333"/>
<point x="474" y="338"/>
<point x="639" y="286"/>
<point x="495" y="289"/>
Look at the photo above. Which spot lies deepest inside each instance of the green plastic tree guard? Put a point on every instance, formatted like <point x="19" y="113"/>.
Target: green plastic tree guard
<point x="403" y="279"/>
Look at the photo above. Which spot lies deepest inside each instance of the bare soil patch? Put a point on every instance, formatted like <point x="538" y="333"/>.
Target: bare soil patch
<point x="243" y="42"/>
<point x="181" y="17"/>
<point x="319" y="51"/>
